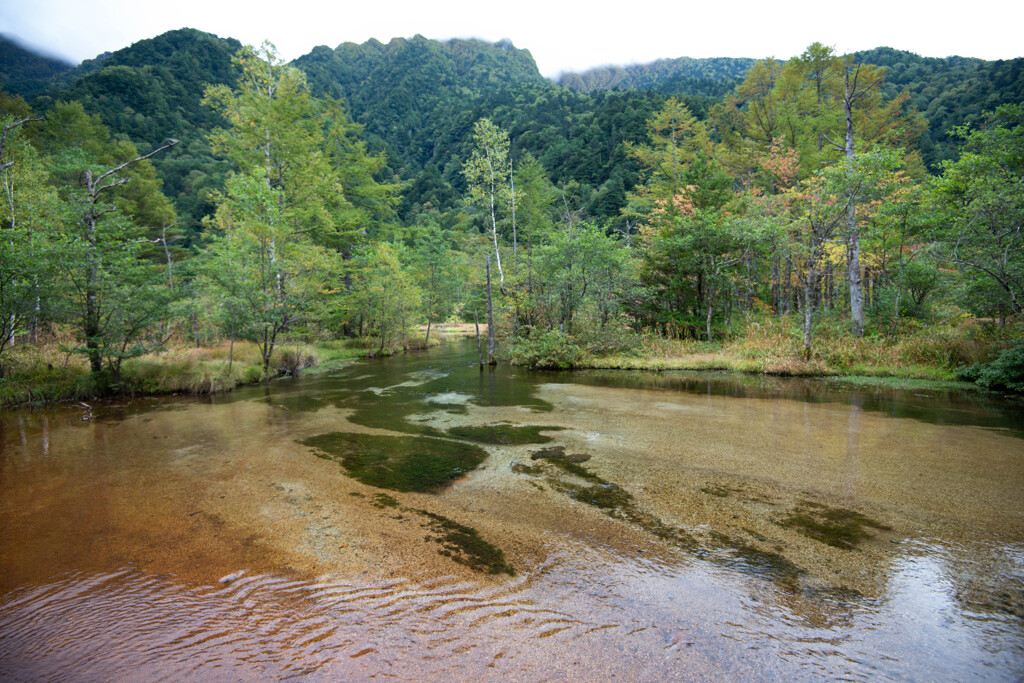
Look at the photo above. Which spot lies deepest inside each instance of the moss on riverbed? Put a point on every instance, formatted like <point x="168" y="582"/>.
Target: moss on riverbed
<point x="833" y="526"/>
<point x="464" y="545"/>
<point x="400" y="463"/>
<point x="503" y="434"/>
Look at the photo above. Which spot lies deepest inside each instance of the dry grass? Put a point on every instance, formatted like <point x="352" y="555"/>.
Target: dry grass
<point x="47" y="374"/>
<point x="774" y="346"/>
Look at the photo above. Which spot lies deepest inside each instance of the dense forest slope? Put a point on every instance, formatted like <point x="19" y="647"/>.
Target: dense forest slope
<point x="417" y="100"/>
<point x="25" y="73"/>
<point x="949" y="92"/>
<point x="152" y="91"/>
<point x="713" y="77"/>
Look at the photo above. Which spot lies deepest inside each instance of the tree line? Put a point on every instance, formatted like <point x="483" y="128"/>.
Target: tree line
<point x="801" y="193"/>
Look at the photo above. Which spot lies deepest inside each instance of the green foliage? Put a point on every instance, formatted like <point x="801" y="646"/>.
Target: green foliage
<point x="151" y="91"/>
<point x="950" y="92"/>
<point x="710" y="76"/>
<point x="981" y="193"/>
<point x="385" y="300"/>
<point x="1005" y="373"/>
<point x="580" y="267"/>
<point x="29" y="212"/>
<point x="435" y="273"/>
<point x="272" y="270"/>
<point x="544" y="350"/>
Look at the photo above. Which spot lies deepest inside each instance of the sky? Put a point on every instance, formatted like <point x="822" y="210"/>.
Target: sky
<point x="561" y="35"/>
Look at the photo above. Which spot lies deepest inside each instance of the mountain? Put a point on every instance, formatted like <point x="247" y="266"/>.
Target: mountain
<point x="950" y="91"/>
<point x="710" y="77"/>
<point x="26" y="73"/>
<point x="152" y="91"/>
<point x="418" y="100"/>
<point x="409" y="92"/>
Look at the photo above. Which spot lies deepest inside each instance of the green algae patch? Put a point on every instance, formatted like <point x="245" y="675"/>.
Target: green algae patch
<point x="383" y="500"/>
<point x="399" y="463"/>
<point x="532" y="470"/>
<point x="392" y="417"/>
<point x="464" y="545"/>
<point x="503" y="435"/>
<point x="580" y="471"/>
<point x="833" y="526"/>
<point x="558" y="453"/>
<point x="602" y="495"/>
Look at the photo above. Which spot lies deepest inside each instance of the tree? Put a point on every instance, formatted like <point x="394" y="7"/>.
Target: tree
<point x="855" y="89"/>
<point x="29" y="214"/>
<point x="435" y="273"/>
<point x="363" y="205"/>
<point x="283" y="209"/>
<point x="897" y="234"/>
<point x="485" y="172"/>
<point x="115" y="209"/>
<point x="983" y="195"/>
<point x="270" y="279"/>
<point x="385" y="296"/>
<point x="580" y="269"/>
<point x="822" y="206"/>
<point x="116" y="262"/>
<point x="676" y="137"/>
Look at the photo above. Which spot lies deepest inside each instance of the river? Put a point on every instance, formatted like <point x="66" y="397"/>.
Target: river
<point x="422" y="519"/>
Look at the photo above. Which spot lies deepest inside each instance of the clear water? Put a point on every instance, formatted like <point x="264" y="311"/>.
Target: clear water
<point x="182" y="539"/>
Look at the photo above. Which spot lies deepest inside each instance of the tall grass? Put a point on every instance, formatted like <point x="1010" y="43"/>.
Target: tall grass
<point x="47" y="374"/>
<point x="774" y="345"/>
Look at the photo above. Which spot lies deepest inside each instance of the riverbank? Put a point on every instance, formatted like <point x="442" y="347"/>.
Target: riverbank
<point x="926" y="358"/>
<point x="41" y="375"/>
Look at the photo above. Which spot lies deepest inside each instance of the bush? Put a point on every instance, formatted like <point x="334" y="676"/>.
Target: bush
<point x="614" y="336"/>
<point x="550" y="350"/>
<point x="290" y="360"/>
<point x="1005" y="373"/>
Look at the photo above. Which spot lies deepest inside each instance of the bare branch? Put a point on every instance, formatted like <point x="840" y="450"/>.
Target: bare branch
<point x="839" y="148"/>
<point x="167" y="145"/>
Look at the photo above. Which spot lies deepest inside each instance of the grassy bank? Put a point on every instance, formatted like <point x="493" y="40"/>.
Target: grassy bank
<point x="774" y="346"/>
<point x="38" y="375"/>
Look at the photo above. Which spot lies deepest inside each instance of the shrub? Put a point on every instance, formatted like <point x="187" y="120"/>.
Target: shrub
<point x="613" y="336"/>
<point x="550" y="350"/>
<point x="290" y="360"/>
<point x="1005" y="373"/>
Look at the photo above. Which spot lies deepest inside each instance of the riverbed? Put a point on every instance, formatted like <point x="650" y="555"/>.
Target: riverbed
<point x="423" y="518"/>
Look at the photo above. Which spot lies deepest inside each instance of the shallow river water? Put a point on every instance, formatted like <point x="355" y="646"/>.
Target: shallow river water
<point x="418" y="518"/>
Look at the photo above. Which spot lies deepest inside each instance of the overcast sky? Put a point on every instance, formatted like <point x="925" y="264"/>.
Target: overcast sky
<point x="563" y="36"/>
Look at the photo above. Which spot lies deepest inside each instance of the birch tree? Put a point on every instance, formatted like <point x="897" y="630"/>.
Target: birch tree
<point x="486" y="172"/>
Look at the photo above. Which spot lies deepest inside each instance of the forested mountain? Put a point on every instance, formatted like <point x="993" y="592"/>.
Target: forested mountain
<point x="411" y="95"/>
<point x="712" y="77"/>
<point x="152" y="91"/>
<point x="25" y="73"/>
<point x="949" y="92"/>
<point x="417" y="100"/>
